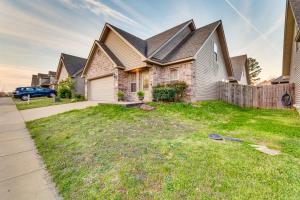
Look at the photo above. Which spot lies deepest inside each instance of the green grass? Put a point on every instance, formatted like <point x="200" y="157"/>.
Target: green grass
<point x="39" y="102"/>
<point x="110" y="152"/>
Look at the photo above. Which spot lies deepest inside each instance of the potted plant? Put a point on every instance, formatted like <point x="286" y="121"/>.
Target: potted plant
<point x="121" y="95"/>
<point x="141" y="95"/>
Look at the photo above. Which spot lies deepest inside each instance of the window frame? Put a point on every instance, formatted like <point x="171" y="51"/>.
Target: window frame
<point x="215" y="50"/>
<point x="133" y="81"/>
<point x="177" y="74"/>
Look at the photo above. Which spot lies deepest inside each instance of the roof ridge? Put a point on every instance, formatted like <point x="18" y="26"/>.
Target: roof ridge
<point x="186" y="22"/>
<point x="72" y="55"/>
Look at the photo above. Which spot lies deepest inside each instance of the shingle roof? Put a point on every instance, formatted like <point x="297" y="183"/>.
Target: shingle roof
<point x="190" y="46"/>
<point x="295" y="4"/>
<point x="73" y="64"/>
<point x="41" y="75"/>
<point x="138" y="43"/>
<point x="280" y="79"/>
<point x="156" y="41"/>
<point x="51" y="73"/>
<point x="110" y="54"/>
<point x="238" y="65"/>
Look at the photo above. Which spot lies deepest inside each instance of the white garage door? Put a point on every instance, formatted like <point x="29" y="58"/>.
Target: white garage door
<point x="101" y="89"/>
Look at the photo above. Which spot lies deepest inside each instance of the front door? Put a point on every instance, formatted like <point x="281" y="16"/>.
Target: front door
<point x="145" y="84"/>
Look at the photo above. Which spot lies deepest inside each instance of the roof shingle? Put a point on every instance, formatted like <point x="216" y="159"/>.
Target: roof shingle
<point x="73" y="64"/>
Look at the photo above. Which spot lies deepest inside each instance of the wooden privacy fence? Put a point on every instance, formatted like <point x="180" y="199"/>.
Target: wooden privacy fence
<point x="269" y="96"/>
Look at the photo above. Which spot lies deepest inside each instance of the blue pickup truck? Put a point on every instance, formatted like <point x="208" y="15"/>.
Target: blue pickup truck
<point x="24" y="92"/>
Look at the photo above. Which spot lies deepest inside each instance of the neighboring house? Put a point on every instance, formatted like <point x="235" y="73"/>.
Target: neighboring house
<point x="120" y="61"/>
<point x="43" y="80"/>
<point x="71" y="66"/>
<point x="281" y="80"/>
<point x="52" y="77"/>
<point x="241" y="69"/>
<point x="291" y="48"/>
<point x="34" y="80"/>
<point x="265" y="82"/>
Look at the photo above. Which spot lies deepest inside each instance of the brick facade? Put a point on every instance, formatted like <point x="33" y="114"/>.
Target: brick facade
<point x="100" y="65"/>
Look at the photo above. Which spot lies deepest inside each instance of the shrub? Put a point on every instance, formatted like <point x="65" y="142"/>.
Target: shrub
<point x="180" y="87"/>
<point x="164" y="94"/>
<point x="79" y="97"/>
<point x="174" y="91"/>
<point x="65" y="88"/>
<point x="121" y="95"/>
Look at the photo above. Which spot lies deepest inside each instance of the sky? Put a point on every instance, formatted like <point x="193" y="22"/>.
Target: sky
<point x="34" y="33"/>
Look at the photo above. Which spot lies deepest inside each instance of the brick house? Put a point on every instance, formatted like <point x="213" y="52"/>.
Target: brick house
<point x="122" y="61"/>
<point x="71" y="66"/>
<point x="44" y="80"/>
<point x="291" y="51"/>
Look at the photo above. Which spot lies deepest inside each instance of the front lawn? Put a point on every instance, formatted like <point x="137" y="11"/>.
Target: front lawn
<point x="39" y="102"/>
<point x="110" y="152"/>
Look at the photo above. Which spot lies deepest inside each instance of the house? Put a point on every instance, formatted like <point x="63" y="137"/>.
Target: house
<point x="120" y="61"/>
<point x="241" y="69"/>
<point x="280" y="80"/>
<point x="71" y="66"/>
<point x="34" y="80"/>
<point x="43" y="80"/>
<point x="291" y="51"/>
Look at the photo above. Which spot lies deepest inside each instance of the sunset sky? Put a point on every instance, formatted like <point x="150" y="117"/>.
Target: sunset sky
<point x="34" y="33"/>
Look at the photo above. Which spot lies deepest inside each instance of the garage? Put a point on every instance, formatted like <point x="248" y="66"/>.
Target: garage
<point x="101" y="89"/>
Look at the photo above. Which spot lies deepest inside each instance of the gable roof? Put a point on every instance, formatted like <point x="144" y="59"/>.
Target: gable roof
<point x="110" y="54"/>
<point x="136" y="42"/>
<point x="192" y="43"/>
<point x="280" y="80"/>
<point x="187" y="47"/>
<point x="156" y="41"/>
<point x="73" y="64"/>
<point x="239" y="63"/>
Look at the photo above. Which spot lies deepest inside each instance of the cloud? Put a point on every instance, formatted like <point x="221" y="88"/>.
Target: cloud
<point x="21" y="24"/>
<point x="15" y="76"/>
<point x="249" y="23"/>
<point x="99" y="8"/>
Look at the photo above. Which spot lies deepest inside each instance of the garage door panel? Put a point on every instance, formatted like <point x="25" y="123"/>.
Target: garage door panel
<point x="101" y="89"/>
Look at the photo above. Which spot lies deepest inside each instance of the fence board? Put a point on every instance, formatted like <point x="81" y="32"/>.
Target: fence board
<point x="256" y="97"/>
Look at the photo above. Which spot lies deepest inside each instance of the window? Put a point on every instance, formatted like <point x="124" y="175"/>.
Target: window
<point x="145" y="80"/>
<point x="297" y="46"/>
<point x="215" y="52"/>
<point x="133" y="82"/>
<point x="174" y="74"/>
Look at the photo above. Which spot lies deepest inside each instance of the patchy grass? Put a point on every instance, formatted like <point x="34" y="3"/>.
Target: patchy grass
<point x="39" y="102"/>
<point x="110" y="152"/>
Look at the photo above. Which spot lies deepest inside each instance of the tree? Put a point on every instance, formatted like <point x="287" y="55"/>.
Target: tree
<point x="254" y="70"/>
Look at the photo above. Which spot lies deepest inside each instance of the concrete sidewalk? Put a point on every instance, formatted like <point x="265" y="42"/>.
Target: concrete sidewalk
<point x="36" y="113"/>
<point x="22" y="173"/>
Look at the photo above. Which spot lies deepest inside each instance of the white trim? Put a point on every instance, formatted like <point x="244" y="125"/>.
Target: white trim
<point x="165" y="43"/>
<point x="170" y="63"/>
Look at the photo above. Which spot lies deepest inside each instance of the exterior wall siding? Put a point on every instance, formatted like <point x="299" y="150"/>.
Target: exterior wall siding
<point x="79" y="85"/>
<point x="125" y="53"/>
<point x="295" y="71"/>
<point x="208" y="72"/>
<point x="99" y="65"/>
<point x="63" y="73"/>
<point x="173" y="43"/>
<point x="243" y="80"/>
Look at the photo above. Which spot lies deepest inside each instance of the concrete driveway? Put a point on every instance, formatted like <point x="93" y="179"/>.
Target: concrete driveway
<point x="22" y="173"/>
<point x="36" y="113"/>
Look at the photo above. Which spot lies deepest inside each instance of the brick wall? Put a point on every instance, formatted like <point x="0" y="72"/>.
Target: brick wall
<point x="99" y="65"/>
